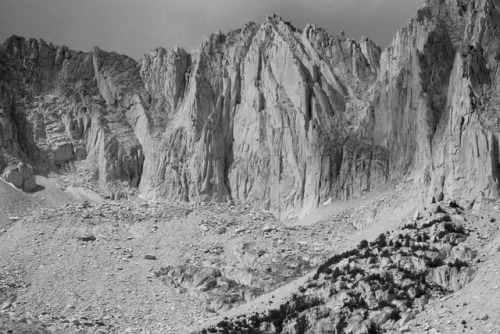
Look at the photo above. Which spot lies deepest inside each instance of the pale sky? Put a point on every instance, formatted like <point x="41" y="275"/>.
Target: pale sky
<point x="134" y="27"/>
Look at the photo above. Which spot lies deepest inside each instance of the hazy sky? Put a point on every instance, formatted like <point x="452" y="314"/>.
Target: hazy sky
<point x="134" y="27"/>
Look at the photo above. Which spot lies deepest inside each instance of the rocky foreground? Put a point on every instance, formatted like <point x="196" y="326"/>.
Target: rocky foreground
<point x="379" y="286"/>
<point x="131" y="265"/>
<point x="151" y="267"/>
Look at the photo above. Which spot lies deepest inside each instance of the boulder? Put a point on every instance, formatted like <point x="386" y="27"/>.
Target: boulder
<point x="451" y="278"/>
<point x="21" y="176"/>
<point x="63" y="152"/>
<point x="463" y="253"/>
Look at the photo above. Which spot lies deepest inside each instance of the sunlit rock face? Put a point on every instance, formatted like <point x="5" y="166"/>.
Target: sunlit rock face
<point x="269" y="115"/>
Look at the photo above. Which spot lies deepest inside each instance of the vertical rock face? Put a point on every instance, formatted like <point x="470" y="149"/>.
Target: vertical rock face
<point x="54" y="112"/>
<point x="466" y="161"/>
<point x="434" y="102"/>
<point x="14" y="146"/>
<point x="410" y="94"/>
<point x="261" y="116"/>
<point x="269" y="115"/>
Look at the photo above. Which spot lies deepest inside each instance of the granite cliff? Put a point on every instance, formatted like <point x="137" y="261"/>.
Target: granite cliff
<point x="434" y="103"/>
<point x="269" y="115"/>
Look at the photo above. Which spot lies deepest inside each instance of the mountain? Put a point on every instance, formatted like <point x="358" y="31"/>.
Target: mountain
<point x="268" y="115"/>
<point x="435" y="100"/>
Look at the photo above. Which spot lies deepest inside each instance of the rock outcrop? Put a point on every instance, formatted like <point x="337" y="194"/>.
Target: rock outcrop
<point x="21" y="176"/>
<point x="58" y="115"/>
<point x="269" y="115"/>
<point x="377" y="287"/>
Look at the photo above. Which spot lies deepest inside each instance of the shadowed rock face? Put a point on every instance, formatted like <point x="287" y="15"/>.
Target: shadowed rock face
<point x="272" y="116"/>
<point x="435" y="96"/>
<point x="54" y="112"/>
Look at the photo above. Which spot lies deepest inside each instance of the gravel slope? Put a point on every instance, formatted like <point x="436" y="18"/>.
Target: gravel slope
<point x="49" y="273"/>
